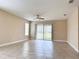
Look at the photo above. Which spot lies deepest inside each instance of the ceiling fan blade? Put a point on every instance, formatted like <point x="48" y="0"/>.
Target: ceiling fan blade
<point x="41" y="18"/>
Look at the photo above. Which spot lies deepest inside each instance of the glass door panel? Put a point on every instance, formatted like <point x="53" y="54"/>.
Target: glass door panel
<point x="47" y="32"/>
<point x="39" y="34"/>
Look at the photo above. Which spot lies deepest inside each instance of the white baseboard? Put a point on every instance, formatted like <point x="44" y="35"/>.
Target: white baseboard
<point x="10" y="43"/>
<point x="69" y="44"/>
<point x="60" y="41"/>
<point x="73" y="47"/>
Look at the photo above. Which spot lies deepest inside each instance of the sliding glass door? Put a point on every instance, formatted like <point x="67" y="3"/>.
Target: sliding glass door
<point x="39" y="32"/>
<point x="47" y="32"/>
<point x="44" y="32"/>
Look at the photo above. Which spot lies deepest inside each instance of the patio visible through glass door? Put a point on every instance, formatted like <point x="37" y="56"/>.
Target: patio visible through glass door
<point x="44" y="32"/>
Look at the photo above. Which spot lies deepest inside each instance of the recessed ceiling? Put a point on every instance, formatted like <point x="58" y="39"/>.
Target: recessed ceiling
<point x="49" y="9"/>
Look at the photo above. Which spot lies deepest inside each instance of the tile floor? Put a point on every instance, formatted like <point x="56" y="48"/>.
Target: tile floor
<point x="38" y="49"/>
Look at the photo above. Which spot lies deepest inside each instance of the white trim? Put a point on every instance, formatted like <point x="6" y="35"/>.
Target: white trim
<point x="69" y="44"/>
<point x="73" y="47"/>
<point x="60" y="41"/>
<point x="10" y="43"/>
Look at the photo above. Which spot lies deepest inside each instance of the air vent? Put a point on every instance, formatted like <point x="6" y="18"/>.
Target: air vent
<point x="71" y="1"/>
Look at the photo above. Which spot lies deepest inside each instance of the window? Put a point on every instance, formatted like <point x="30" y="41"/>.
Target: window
<point x="26" y="28"/>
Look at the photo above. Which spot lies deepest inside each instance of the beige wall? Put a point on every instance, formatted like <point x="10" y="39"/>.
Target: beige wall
<point x="11" y="28"/>
<point x="73" y="28"/>
<point x="60" y="30"/>
<point x="59" y="27"/>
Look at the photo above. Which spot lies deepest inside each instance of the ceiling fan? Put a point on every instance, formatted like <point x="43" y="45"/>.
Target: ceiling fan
<point x="39" y="18"/>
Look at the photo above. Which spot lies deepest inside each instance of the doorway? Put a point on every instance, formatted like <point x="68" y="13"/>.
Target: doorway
<point x="44" y="32"/>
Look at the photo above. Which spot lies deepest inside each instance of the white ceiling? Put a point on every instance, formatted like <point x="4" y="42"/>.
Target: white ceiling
<point x="49" y="9"/>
